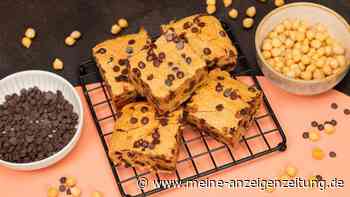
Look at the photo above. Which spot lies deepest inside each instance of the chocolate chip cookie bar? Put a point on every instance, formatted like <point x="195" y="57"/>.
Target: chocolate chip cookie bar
<point x="207" y="38"/>
<point x="167" y="72"/>
<point x="143" y="138"/>
<point x="112" y="57"/>
<point x="224" y="107"/>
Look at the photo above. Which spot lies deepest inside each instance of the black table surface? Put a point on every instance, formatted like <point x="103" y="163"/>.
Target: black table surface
<point x="55" y="19"/>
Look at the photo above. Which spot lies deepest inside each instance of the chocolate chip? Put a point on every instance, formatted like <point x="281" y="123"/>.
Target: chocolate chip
<point x="333" y="122"/>
<point x="306" y="135"/>
<point x="334" y="106"/>
<point x="129" y="50"/>
<point x="201" y="24"/>
<point x="347" y="111"/>
<point x="319" y="177"/>
<point x="63" y="180"/>
<point x="219" y="107"/>
<point x="141" y="65"/>
<point x="222" y="33"/>
<point x="161" y="55"/>
<point x="150" y="77"/>
<point x="131" y="42"/>
<point x="206" y="51"/>
<point x="116" y="68"/>
<point x="144" y="144"/>
<point x="219" y="87"/>
<point x="188" y="60"/>
<point x="122" y="78"/>
<point x="155" y="134"/>
<point x="101" y="51"/>
<point x="180" y="75"/>
<point x="137" y="72"/>
<point x="187" y="25"/>
<point x="194" y="30"/>
<point x="320" y="127"/>
<point x="234" y="95"/>
<point x="227" y="92"/>
<point x="123" y="62"/>
<point x="171" y="77"/>
<point x="156" y="63"/>
<point x="149" y="58"/>
<point x="175" y="69"/>
<point x="144" y="109"/>
<point x="145" y="120"/>
<point x="62" y="188"/>
<point x="137" y="144"/>
<point x="168" y="82"/>
<point x="170" y="64"/>
<point x="133" y="120"/>
<point x="68" y="192"/>
<point x="314" y="124"/>
<point x="332" y="154"/>
<point x="163" y="122"/>
<point x="169" y="36"/>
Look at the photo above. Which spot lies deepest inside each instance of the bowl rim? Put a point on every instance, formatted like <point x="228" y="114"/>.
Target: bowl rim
<point x="68" y="147"/>
<point x="297" y="4"/>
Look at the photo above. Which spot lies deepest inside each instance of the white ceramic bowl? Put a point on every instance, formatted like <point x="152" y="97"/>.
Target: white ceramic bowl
<point x="45" y="81"/>
<point x="337" y="27"/>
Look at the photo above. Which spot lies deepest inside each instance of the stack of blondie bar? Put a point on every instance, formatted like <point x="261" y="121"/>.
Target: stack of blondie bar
<point x="183" y="78"/>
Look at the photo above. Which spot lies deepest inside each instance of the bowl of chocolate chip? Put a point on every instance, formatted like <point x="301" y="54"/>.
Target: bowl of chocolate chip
<point x="41" y="117"/>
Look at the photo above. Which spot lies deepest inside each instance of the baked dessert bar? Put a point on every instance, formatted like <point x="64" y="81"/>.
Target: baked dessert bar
<point x="224" y="107"/>
<point x="112" y="57"/>
<point x="167" y="72"/>
<point x="207" y="38"/>
<point x="144" y="139"/>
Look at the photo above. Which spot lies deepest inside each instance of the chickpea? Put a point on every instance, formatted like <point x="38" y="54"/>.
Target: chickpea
<point x="52" y="192"/>
<point x="305" y="48"/>
<point x="267" y="44"/>
<point x="266" y="54"/>
<point x="123" y="23"/>
<point x="279" y="64"/>
<point x="57" y="64"/>
<point x="291" y="171"/>
<point x="337" y="70"/>
<point x="289" y="62"/>
<point x="227" y="3"/>
<point x="291" y="74"/>
<point x="30" y="33"/>
<point x="96" y="194"/>
<point x="279" y="28"/>
<point x="272" y="35"/>
<point x="115" y="29"/>
<point x="293" y="35"/>
<point x="211" y="2"/>
<point x="320" y="62"/>
<point x="338" y="50"/>
<point x="26" y="42"/>
<point x="307" y="75"/>
<point x="287" y="24"/>
<point x="276" y="52"/>
<point x="329" y="41"/>
<point x="316" y="44"/>
<point x="248" y="23"/>
<point x="320" y="28"/>
<point x="276" y="42"/>
<point x="333" y="63"/>
<point x="296" y="55"/>
<point x="69" y="41"/>
<point x="75" y="34"/>
<point x="318" y="74"/>
<point x="305" y="60"/>
<point x="211" y="9"/>
<point x="279" y="3"/>
<point x="285" y="70"/>
<point x="271" y="62"/>
<point x="321" y="36"/>
<point x="311" y="68"/>
<point x="310" y="35"/>
<point x="302" y="67"/>
<point x="341" y="60"/>
<point x="328" y="50"/>
<point x="251" y="11"/>
<point x="300" y="36"/>
<point x="295" y="24"/>
<point x="327" y="70"/>
<point x="233" y="13"/>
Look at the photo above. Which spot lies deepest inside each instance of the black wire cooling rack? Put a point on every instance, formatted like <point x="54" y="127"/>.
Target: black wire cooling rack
<point x="266" y="135"/>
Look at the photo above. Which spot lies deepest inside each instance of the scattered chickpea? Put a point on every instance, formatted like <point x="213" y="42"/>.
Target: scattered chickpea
<point x="227" y="3"/>
<point x="233" y="13"/>
<point x="96" y="194"/>
<point x="52" y="192"/>
<point x="251" y="11"/>
<point x="211" y="9"/>
<point x="314" y="135"/>
<point x="270" y="189"/>
<point x="69" y="41"/>
<point x="123" y="23"/>
<point x="248" y="23"/>
<point x="318" y="154"/>
<point x="329" y="129"/>
<point x="279" y="3"/>
<point x="211" y="2"/>
<point x="76" y="192"/>
<point x="26" y="42"/>
<point x="71" y="181"/>
<point x="75" y="34"/>
<point x="115" y="29"/>
<point x="291" y="171"/>
<point x="57" y="64"/>
<point x="30" y="33"/>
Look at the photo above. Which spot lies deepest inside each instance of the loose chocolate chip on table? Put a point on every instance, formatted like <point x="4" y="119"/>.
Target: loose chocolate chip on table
<point x="314" y="124"/>
<point x="206" y="51"/>
<point x="332" y="154"/>
<point x="180" y="75"/>
<point x="319" y="177"/>
<point x="333" y="122"/>
<point x="145" y="120"/>
<point x="306" y="135"/>
<point x="131" y="42"/>
<point x="168" y="82"/>
<point x="320" y="127"/>
<point x="116" y="68"/>
<point x="62" y="188"/>
<point x="150" y="77"/>
<point x="144" y="109"/>
<point x="347" y="111"/>
<point x="219" y="107"/>
<point x="68" y="192"/>
<point x="334" y="106"/>
<point x="171" y="77"/>
<point x="133" y="120"/>
<point x="63" y="180"/>
<point x="141" y="65"/>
